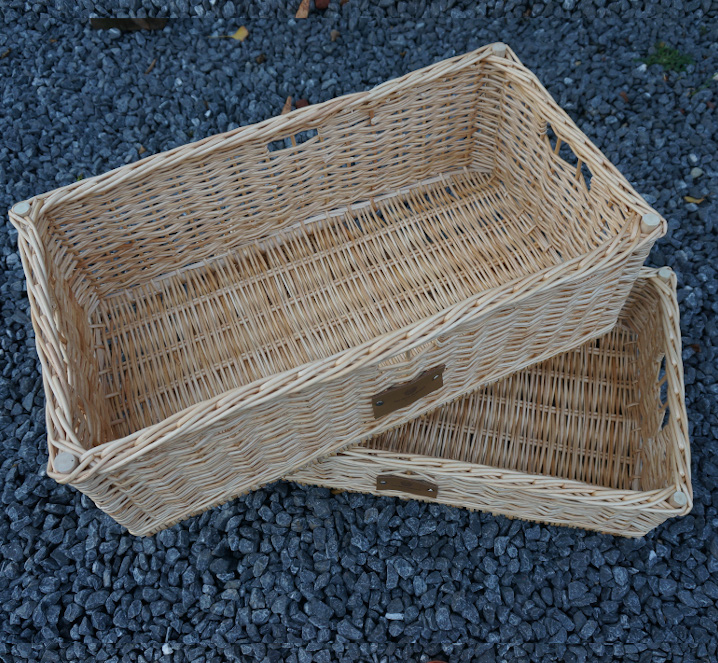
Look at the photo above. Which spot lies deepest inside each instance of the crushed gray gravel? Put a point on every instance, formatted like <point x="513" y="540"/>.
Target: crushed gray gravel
<point x="301" y="574"/>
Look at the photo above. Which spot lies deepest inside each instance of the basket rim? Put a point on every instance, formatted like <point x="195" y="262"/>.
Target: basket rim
<point x="122" y="450"/>
<point x="635" y="533"/>
<point x="570" y="489"/>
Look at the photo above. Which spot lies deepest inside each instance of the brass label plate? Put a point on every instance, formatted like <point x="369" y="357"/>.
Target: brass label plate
<point x="399" y="396"/>
<point x="402" y="484"/>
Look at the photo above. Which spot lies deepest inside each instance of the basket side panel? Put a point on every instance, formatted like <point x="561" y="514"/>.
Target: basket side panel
<point x="661" y="417"/>
<point x="77" y="414"/>
<point x="527" y="97"/>
<point x="553" y="191"/>
<point x="499" y="494"/>
<point x="203" y="203"/>
<point x="487" y="119"/>
<point x="643" y="315"/>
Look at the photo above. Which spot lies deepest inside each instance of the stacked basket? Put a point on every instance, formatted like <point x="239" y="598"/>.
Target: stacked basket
<point x="416" y="291"/>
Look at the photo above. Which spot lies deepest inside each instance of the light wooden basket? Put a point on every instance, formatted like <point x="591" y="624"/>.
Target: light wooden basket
<point x="596" y="437"/>
<point x="213" y="317"/>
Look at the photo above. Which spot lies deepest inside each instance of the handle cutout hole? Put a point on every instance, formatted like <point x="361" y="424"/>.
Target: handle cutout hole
<point x="292" y="141"/>
<point x="663" y="383"/>
<point x="564" y="152"/>
<point x="663" y="393"/>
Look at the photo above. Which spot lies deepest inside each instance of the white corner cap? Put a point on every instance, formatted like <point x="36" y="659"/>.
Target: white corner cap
<point x="665" y="273"/>
<point x="65" y="462"/>
<point x="650" y="222"/>
<point x="21" y="208"/>
<point x="679" y="499"/>
<point x="499" y="49"/>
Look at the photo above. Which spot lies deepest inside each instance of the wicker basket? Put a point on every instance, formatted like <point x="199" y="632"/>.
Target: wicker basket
<point x="213" y="317"/>
<point x="595" y="438"/>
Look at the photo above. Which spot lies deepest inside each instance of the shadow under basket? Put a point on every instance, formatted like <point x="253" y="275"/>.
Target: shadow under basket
<point x="593" y="438"/>
<point x="214" y="317"/>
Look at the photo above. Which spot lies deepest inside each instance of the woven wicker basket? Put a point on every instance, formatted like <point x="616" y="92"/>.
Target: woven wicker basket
<point x="213" y="317"/>
<point x="596" y="437"/>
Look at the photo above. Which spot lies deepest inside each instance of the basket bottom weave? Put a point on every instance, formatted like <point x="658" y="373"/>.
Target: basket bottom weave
<point x="226" y="322"/>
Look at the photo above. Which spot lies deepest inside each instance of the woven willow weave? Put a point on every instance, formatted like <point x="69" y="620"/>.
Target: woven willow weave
<point x="596" y="437"/>
<point x="213" y="317"/>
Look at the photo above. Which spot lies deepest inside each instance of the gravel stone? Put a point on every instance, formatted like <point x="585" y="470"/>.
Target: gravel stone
<point x="403" y="568"/>
<point x="348" y="631"/>
<point x="576" y="590"/>
<point x="620" y="575"/>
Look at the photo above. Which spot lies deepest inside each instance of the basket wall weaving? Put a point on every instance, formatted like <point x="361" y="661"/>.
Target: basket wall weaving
<point x="596" y="437"/>
<point x="212" y="318"/>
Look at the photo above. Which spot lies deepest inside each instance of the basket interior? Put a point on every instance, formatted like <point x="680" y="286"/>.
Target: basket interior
<point x="591" y="415"/>
<point x="248" y="315"/>
<point x="217" y="270"/>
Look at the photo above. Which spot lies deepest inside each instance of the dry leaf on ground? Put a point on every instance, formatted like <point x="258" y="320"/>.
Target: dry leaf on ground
<point x="287" y="106"/>
<point x="241" y="34"/>
<point x="303" y="10"/>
